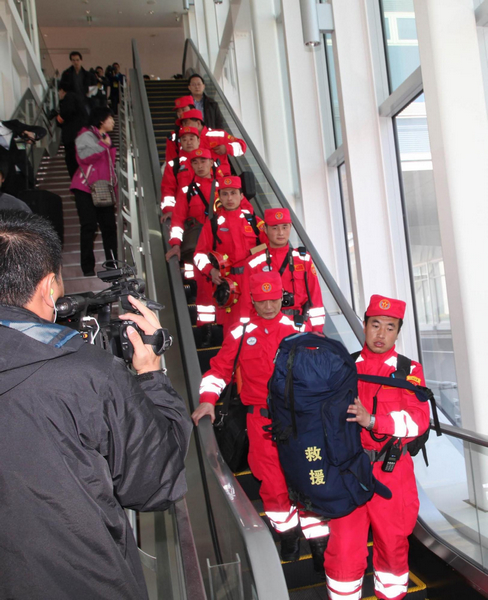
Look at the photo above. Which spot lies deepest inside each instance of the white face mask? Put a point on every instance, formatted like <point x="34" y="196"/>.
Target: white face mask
<point x="54" y="306"/>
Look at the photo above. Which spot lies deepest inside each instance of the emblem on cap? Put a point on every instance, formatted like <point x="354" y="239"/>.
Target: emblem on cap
<point x="279" y="216"/>
<point x="227" y="181"/>
<point x="384" y="304"/>
<point x="266" y="287"/>
<point x="198" y="152"/>
<point x="178" y="102"/>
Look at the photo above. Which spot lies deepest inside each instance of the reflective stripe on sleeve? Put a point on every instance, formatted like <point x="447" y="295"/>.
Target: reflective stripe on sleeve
<point x="391" y="586"/>
<point x="405" y="426"/>
<point x="216" y="134"/>
<point x="177" y="232"/>
<point x="344" y="590"/>
<point x="212" y="384"/>
<point x="221" y="220"/>
<point x="237" y="332"/>
<point x="237" y="149"/>
<point x="201" y="260"/>
<point x="257" y="261"/>
<point x="317" y="321"/>
<point x="168" y="201"/>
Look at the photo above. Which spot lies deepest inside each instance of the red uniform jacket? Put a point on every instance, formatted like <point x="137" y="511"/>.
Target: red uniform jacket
<point x="169" y="183"/>
<point x="303" y="264"/>
<point x="399" y="413"/>
<point x="261" y="341"/>
<point x="237" y="237"/>
<point x="184" y="210"/>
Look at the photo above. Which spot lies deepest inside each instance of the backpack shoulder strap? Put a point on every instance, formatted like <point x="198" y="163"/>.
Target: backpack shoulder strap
<point x="226" y="398"/>
<point x="403" y="367"/>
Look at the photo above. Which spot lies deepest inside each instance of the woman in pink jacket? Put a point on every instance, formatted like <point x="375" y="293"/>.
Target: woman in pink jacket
<point x="96" y="156"/>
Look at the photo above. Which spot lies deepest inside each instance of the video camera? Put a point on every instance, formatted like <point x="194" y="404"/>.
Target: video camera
<point x="90" y="313"/>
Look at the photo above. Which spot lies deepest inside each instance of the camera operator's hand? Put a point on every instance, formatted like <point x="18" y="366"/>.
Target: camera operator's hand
<point x="144" y="359"/>
<point x="30" y="135"/>
<point x="204" y="409"/>
<point x="175" y="251"/>
<point x="216" y="277"/>
<point x="361" y="415"/>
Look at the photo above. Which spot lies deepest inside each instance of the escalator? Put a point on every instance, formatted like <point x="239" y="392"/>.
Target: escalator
<point x="243" y="561"/>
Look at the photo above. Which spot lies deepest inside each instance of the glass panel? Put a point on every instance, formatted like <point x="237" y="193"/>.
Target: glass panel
<point x="400" y="39"/>
<point x="351" y="247"/>
<point x="452" y="498"/>
<point x="427" y="264"/>
<point x="336" y="325"/>
<point x="334" y="97"/>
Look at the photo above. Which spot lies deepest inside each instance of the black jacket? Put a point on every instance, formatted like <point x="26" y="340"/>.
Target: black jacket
<point x="13" y="157"/>
<point x="80" y="438"/>
<point x="89" y="79"/>
<point x="74" y="117"/>
<point x="213" y="117"/>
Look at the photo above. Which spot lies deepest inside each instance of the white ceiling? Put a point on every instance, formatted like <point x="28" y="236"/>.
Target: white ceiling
<point x="109" y="13"/>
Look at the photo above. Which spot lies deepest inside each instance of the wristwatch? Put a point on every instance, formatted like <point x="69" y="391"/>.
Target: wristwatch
<point x="371" y="423"/>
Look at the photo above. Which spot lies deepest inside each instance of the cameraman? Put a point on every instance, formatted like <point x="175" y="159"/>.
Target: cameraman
<point x="80" y="437"/>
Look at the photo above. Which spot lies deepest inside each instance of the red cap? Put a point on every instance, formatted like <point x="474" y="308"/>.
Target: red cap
<point x="276" y="216"/>
<point x="229" y="182"/>
<point x="387" y="307"/>
<point x="183" y="101"/>
<point x="200" y="153"/>
<point x="193" y="113"/>
<point x="185" y="130"/>
<point x="266" y="286"/>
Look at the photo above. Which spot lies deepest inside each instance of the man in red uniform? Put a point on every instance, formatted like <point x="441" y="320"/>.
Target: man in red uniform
<point x="182" y="105"/>
<point x="233" y="234"/>
<point x="191" y="211"/>
<point x="189" y="140"/>
<point x="262" y="335"/>
<point x="221" y="143"/>
<point x="302" y="299"/>
<point x="383" y="412"/>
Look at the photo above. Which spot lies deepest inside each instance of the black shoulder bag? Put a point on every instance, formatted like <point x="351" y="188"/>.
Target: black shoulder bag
<point x="230" y="426"/>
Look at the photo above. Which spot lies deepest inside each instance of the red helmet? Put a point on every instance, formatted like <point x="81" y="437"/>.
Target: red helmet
<point x="227" y="293"/>
<point x="220" y="262"/>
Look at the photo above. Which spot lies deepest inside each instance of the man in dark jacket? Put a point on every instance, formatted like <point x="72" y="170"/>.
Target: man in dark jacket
<point x="209" y="108"/>
<point x="71" y="118"/>
<point x="79" y="79"/>
<point x="19" y="177"/>
<point x="80" y="437"/>
<point x="7" y="201"/>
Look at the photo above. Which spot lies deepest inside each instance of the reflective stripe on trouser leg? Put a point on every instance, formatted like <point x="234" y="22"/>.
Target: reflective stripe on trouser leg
<point x="344" y="590"/>
<point x="205" y="314"/>
<point x="390" y="586"/>
<point x="283" y="521"/>
<point x="312" y="525"/>
<point x="189" y="271"/>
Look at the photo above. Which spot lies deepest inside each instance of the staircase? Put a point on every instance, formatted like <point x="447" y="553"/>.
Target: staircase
<point x="161" y="96"/>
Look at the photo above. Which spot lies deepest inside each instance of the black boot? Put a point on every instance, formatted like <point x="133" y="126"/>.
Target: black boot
<point x="290" y="544"/>
<point x="318" y="546"/>
<point x="206" y="339"/>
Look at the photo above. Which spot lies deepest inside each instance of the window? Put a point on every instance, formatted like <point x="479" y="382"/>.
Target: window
<point x="334" y="97"/>
<point x="426" y="260"/>
<point x="350" y="242"/>
<point x="400" y="38"/>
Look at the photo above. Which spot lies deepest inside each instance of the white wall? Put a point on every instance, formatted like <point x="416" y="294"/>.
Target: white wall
<point x="160" y="49"/>
<point x="19" y="60"/>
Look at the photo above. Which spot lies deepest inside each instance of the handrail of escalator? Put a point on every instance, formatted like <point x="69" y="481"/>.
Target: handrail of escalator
<point x="264" y="562"/>
<point x="320" y="265"/>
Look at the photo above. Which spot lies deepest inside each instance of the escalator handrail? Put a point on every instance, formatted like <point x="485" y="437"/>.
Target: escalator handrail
<point x="267" y="573"/>
<point x="320" y="265"/>
<point x="463" y="434"/>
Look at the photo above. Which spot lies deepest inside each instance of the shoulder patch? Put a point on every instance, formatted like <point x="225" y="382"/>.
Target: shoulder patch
<point x="414" y="380"/>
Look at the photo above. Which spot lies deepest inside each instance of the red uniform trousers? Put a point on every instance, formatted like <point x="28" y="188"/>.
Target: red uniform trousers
<point x="391" y="522"/>
<point x="204" y="300"/>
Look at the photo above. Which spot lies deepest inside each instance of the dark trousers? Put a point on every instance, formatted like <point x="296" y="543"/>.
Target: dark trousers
<point x="89" y="216"/>
<point x="70" y="158"/>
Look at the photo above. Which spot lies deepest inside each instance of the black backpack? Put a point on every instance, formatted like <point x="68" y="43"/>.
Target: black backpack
<point x="325" y="466"/>
<point x="423" y="394"/>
